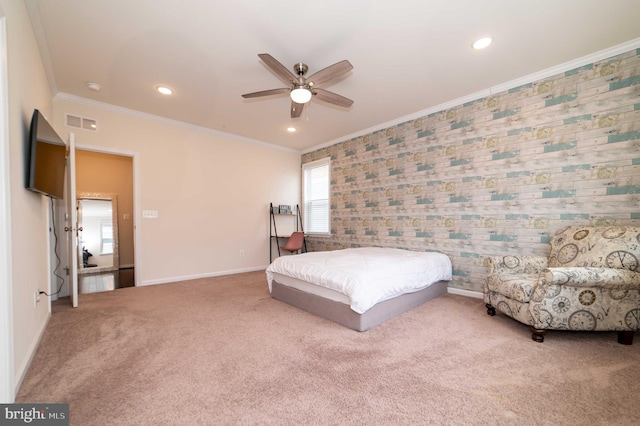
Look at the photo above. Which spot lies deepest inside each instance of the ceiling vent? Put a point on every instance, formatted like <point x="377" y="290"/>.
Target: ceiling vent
<point x="80" y="122"/>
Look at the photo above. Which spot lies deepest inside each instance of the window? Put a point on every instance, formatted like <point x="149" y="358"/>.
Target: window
<point x="106" y="238"/>
<point x="315" y="186"/>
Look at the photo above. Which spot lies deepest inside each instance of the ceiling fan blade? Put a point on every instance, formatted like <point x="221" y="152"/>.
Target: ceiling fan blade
<point x="332" y="98"/>
<point x="296" y="109"/>
<point x="330" y="72"/>
<point x="282" y="71"/>
<point x="266" y="93"/>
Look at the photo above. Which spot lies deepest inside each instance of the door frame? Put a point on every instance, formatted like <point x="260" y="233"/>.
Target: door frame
<point x="6" y="273"/>
<point x="136" y="198"/>
<point x="71" y="215"/>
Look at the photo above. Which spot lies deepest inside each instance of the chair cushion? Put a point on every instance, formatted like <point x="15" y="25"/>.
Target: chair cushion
<point x="513" y="286"/>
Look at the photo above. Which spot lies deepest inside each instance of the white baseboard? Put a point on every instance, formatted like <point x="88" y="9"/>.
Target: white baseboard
<point x="196" y="276"/>
<point x="26" y="363"/>
<point x="467" y="293"/>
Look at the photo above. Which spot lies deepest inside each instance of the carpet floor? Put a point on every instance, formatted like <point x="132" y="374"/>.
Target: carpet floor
<point x="221" y="351"/>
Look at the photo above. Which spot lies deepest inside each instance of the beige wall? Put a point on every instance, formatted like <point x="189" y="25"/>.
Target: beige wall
<point x="97" y="172"/>
<point x="28" y="89"/>
<point x="211" y="190"/>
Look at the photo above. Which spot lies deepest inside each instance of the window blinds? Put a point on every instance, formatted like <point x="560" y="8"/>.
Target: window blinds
<point x="316" y="196"/>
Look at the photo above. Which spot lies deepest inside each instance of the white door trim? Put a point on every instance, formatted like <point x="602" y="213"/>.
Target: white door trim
<point x="136" y="200"/>
<point x="6" y="274"/>
<point x="72" y="236"/>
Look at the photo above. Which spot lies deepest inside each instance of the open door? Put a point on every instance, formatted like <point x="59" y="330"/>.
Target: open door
<point x="80" y="241"/>
<point x="72" y="221"/>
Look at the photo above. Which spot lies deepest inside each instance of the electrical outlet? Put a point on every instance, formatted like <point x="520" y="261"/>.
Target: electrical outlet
<point x="36" y="298"/>
<point x="241" y="253"/>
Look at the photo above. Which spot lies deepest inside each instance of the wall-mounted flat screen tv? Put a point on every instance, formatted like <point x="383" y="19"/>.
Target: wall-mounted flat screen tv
<point x="47" y="158"/>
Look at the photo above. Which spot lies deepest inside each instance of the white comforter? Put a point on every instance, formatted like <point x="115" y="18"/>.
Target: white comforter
<point x="366" y="275"/>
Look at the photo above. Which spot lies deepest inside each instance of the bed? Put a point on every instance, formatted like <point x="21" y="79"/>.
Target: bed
<point x="359" y="287"/>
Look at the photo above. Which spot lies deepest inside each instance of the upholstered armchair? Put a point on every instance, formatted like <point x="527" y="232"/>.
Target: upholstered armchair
<point x="589" y="281"/>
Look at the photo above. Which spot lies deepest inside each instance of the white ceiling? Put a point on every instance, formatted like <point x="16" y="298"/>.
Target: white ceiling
<point x="408" y="55"/>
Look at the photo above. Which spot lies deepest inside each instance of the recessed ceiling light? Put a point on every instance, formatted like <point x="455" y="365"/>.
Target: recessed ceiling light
<point x="93" y="86"/>
<point x="482" y="43"/>
<point x="291" y="129"/>
<point x="164" y="90"/>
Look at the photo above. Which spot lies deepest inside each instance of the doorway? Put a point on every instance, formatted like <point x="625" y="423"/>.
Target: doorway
<point x="105" y="202"/>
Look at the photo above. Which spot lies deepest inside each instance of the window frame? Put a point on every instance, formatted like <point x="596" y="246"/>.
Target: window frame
<point x="306" y="168"/>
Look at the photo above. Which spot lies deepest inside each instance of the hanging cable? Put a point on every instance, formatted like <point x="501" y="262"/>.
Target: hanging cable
<point x="55" y="251"/>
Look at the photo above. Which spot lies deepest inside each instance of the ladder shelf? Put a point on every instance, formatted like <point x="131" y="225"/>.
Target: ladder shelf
<point x="273" y="230"/>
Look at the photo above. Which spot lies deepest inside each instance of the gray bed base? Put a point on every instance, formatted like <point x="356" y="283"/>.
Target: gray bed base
<point x="344" y="315"/>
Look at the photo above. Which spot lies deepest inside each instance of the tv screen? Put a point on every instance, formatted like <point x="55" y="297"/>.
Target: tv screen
<point x="47" y="154"/>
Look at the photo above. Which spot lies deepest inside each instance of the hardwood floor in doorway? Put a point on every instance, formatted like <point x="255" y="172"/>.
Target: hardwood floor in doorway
<point x="106" y="281"/>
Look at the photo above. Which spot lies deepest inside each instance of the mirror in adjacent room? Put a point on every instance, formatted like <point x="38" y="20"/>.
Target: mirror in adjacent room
<point x="97" y="233"/>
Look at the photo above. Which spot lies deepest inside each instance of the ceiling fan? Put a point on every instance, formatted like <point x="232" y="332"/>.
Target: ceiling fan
<point x="301" y="89"/>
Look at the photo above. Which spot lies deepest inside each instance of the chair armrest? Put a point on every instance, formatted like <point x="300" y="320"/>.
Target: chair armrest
<point x="555" y="281"/>
<point x="592" y="277"/>
<point x="517" y="264"/>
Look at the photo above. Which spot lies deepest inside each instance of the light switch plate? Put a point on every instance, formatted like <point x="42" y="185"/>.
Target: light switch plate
<point x="150" y="214"/>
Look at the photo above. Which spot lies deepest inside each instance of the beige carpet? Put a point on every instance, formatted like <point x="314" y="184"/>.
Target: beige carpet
<point x="221" y="351"/>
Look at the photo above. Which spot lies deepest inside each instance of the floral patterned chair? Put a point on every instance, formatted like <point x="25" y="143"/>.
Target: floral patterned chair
<point x="589" y="281"/>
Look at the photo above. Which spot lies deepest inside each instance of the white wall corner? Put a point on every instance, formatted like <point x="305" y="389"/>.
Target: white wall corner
<point x="7" y="394"/>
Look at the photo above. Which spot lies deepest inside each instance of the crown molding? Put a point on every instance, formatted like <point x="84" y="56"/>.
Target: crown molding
<point x="61" y="96"/>
<point x="537" y="76"/>
<point x="41" y="40"/>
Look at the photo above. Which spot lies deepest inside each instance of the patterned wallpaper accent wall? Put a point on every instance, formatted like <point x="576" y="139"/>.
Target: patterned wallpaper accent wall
<point x="496" y="176"/>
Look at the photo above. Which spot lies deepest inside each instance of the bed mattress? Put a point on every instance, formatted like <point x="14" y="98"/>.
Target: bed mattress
<point x="345" y="285"/>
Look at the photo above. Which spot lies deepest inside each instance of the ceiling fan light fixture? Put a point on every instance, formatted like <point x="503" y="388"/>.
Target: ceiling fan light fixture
<point x="302" y="89"/>
<point x="301" y="95"/>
